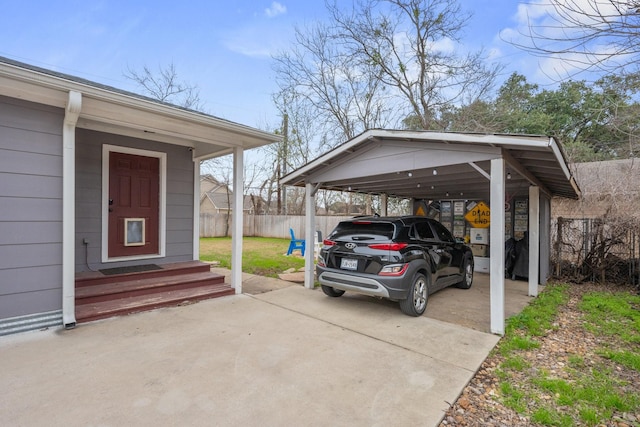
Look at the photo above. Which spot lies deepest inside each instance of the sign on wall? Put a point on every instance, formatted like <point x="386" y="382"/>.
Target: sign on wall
<point x="479" y="216"/>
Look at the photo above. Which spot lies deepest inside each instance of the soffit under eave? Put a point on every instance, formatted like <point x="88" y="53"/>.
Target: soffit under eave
<point x="129" y="120"/>
<point x="123" y="114"/>
<point x="26" y="91"/>
<point x="460" y="181"/>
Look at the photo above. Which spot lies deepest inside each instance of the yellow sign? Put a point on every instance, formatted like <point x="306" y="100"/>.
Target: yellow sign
<point x="420" y="208"/>
<point x="479" y="216"/>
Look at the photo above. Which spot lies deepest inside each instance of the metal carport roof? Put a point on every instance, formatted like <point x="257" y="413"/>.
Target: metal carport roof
<point x="442" y="165"/>
<point x="438" y="165"/>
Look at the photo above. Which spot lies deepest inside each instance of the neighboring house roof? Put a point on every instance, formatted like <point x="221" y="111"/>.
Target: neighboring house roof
<point x="609" y="188"/>
<point x="620" y="177"/>
<point x="221" y="201"/>
<point x="216" y="193"/>
<point x="108" y="109"/>
<point x="209" y="183"/>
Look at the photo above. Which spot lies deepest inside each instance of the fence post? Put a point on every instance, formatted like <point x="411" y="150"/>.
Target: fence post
<point x="558" y="246"/>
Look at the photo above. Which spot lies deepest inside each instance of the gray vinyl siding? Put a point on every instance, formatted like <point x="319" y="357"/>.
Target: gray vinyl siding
<point x="179" y="200"/>
<point x="30" y="208"/>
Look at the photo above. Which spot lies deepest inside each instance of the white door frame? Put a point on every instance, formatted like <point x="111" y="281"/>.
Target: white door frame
<point x="162" y="209"/>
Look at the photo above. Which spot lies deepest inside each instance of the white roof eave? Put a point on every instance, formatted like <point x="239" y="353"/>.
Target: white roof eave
<point x="143" y="115"/>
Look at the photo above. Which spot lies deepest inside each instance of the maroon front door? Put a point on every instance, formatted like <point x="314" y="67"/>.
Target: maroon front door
<point x="134" y="185"/>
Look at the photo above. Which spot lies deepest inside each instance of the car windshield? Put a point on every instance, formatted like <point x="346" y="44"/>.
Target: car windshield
<point x="364" y="227"/>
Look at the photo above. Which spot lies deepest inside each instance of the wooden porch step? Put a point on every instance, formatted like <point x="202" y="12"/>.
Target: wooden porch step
<point x="91" y="278"/>
<point x="122" y="306"/>
<point x="129" y="287"/>
<point x="99" y="295"/>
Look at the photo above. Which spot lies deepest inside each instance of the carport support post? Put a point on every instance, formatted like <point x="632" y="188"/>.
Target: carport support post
<point x="497" y="246"/>
<point x="309" y="225"/>
<point x="237" y="219"/>
<point x="534" y="239"/>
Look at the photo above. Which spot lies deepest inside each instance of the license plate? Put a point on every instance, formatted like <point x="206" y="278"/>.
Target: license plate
<point x="349" y="264"/>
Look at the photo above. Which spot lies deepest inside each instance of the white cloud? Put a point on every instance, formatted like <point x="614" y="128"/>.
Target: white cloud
<point x="445" y="45"/>
<point x="262" y="40"/>
<point x="275" y="9"/>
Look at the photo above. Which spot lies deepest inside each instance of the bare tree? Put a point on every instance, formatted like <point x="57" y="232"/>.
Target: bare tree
<point x="165" y="86"/>
<point x="412" y="47"/>
<point x="595" y="35"/>
<point x="342" y="93"/>
<point x="299" y="126"/>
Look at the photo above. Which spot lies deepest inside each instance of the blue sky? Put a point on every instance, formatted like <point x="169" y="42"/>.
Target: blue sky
<point x="224" y="47"/>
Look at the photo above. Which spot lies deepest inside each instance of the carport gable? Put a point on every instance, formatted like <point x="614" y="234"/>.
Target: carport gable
<point x="437" y="165"/>
<point x="393" y="156"/>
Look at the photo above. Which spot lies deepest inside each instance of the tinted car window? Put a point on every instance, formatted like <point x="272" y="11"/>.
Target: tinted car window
<point x="424" y="230"/>
<point x="364" y="227"/>
<point x="443" y="233"/>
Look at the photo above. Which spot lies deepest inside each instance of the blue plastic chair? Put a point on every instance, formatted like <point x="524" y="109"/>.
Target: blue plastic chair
<point x="295" y="243"/>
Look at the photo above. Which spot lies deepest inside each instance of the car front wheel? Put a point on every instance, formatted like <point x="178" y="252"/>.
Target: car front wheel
<point x="416" y="303"/>
<point x="332" y="292"/>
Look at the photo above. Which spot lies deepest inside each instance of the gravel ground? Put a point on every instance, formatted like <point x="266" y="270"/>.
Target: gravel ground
<point x="479" y="404"/>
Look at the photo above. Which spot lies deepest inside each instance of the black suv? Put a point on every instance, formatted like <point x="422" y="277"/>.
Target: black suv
<point x="404" y="259"/>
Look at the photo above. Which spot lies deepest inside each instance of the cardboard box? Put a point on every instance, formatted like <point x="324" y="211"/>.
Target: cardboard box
<point x="479" y="250"/>
<point x="479" y="235"/>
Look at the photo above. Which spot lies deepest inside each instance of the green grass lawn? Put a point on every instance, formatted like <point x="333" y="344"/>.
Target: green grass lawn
<point x="260" y="255"/>
<point x="585" y="391"/>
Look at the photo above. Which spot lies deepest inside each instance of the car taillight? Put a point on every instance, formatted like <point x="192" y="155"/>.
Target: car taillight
<point x="328" y="242"/>
<point x="394" y="270"/>
<point x="388" y="246"/>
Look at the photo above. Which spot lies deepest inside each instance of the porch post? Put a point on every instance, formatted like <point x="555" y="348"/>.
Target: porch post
<point x="72" y="112"/>
<point x="237" y="219"/>
<point x="534" y="239"/>
<point x="309" y="229"/>
<point x="196" y="209"/>
<point x="497" y="246"/>
<point x="384" y="200"/>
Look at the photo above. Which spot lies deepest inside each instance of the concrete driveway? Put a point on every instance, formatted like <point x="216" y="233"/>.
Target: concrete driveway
<point x="289" y="356"/>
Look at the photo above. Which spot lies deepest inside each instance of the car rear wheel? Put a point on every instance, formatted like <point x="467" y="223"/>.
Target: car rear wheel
<point x="332" y="292"/>
<point x="416" y="303"/>
<point x="467" y="274"/>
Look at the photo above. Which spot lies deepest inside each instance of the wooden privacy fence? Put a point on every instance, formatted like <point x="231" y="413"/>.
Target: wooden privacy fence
<point x="215" y="225"/>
